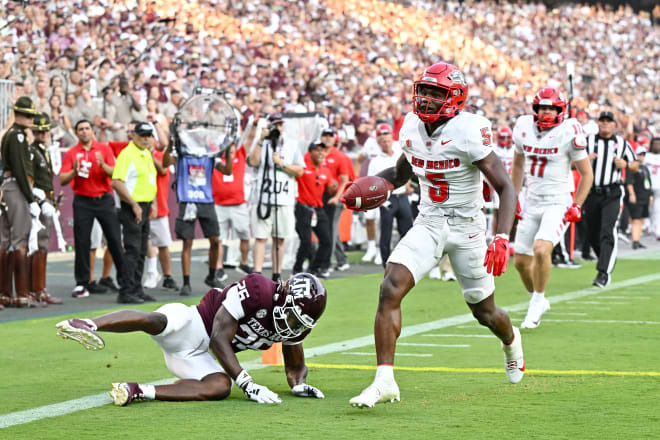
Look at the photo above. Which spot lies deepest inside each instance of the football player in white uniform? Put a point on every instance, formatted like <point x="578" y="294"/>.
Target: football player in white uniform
<point x="652" y="162"/>
<point x="447" y="150"/>
<point x="545" y="146"/>
<point x="505" y="153"/>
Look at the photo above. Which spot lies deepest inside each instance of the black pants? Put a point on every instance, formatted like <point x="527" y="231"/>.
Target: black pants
<point x="85" y="210"/>
<point x="319" y="259"/>
<point x="136" y="237"/>
<point x="600" y="213"/>
<point x="399" y="208"/>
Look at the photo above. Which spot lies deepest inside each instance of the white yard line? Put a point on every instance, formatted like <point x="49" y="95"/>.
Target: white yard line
<point x="70" y="406"/>
<point x="447" y="335"/>
<point x="603" y="321"/>
<point x="413" y="344"/>
<point x="365" y="353"/>
<point x="614" y="303"/>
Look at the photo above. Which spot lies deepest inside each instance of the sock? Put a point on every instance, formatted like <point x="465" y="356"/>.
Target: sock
<point x="385" y="372"/>
<point x="530" y="294"/>
<point x="148" y="391"/>
<point x="186" y="280"/>
<point x="152" y="265"/>
<point x="371" y="245"/>
<point x="537" y="296"/>
<point x="212" y="272"/>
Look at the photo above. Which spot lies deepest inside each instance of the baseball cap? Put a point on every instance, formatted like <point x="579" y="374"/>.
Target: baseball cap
<point x="275" y="118"/>
<point x="606" y="115"/>
<point x="315" y="145"/>
<point x="144" y="129"/>
<point x="383" y="129"/>
<point x="640" y="150"/>
<point x="328" y="132"/>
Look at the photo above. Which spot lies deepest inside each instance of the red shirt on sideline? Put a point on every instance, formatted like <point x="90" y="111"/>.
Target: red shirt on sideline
<point x="229" y="190"/>
<point x="162" y="184"/>
<point x="97" y="182"/>
<point x="117" y="146"/>
<point x="312" y="184"/>
<point x="336" y="164"/>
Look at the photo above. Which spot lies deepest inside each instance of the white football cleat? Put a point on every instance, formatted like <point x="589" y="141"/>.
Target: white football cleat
<point x="514" y="363"/>
<point x="537" y="307"/>
<point x="80" y="330"/>
<point x="449" y="276"/>
<point x="376" y="393"/>
<point x="435" y="273"/>
<point x="152" y="279"/>
<point x="370" y="255"/>
<point x="378" y="260"/>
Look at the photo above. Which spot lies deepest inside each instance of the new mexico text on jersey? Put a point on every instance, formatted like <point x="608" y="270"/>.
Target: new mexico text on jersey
<point x="548" y="154"/>
<point x="450" y="183"/>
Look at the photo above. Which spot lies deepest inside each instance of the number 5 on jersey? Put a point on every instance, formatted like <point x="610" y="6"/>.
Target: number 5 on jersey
<point x="439" y="192"/>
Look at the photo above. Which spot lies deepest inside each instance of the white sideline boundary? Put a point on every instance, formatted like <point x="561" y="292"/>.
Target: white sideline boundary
<point x="93" y="401"/>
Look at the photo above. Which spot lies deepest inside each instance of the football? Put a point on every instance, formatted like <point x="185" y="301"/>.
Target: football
<point x="367" y="192"/>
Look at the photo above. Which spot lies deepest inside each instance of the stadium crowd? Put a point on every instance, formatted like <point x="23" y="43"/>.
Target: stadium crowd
<point x="114" y="63"/>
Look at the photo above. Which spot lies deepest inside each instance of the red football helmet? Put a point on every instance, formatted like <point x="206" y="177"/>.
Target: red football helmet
<point x="504" y="137"/>
<point x="553" y="97"/>
<point x="300" y="306"/>
<point x="451" y="81"/>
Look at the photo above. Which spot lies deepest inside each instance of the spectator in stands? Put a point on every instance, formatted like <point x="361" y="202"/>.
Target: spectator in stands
<point x="311" y="215"/>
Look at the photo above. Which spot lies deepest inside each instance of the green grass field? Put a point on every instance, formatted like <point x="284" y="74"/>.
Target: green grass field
<point x="593" y="371"/>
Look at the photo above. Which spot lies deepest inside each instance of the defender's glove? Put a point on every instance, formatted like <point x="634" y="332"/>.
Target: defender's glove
<point x="35" y="210"/>
<point x="258" y="393"/>
<point x="304" y="390"/>
<point x="573" y="214"/>
<point x="497" y="255"/>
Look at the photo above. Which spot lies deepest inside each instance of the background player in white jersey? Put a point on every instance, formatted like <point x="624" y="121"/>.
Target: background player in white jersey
<point x="545" y="146"/>
<point x="652" y="162"/>
<point x="447" y="150"/>
<point x="503" y="149"/>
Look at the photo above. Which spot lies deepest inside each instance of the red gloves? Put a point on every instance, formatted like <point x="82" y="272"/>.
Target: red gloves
<point x="573" y="214"/>
<point x="518" y="211"/>
<point x="487" y="192"/>
<point x="497" y="255"/>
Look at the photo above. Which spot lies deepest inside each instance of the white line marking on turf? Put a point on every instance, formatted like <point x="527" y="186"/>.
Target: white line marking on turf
<point x="602" y="321"/>
<point x="447" y="335"/>
<point x="614" y="303"/>
<point x="63" y="408"/>
<point x="364" y="353"/>
<point x="413" y="344"/>
<point x="625" y="297"/>
<point x="552" y="313"/>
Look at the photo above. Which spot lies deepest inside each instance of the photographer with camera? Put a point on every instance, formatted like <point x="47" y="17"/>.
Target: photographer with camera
<point x="278" y="164"/>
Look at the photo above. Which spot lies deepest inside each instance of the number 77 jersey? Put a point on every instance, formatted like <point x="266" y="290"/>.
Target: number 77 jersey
<point x="548" y="154"/>
<point x="450" y="183"/>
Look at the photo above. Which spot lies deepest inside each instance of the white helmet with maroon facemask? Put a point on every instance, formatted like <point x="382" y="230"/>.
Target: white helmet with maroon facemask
<point x="298" y="305"/>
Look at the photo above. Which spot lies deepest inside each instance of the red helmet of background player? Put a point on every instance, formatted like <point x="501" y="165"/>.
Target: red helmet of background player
<point x="448" y="78"/>
<point x="504" y="137"/>
<point x="549" y="96"/>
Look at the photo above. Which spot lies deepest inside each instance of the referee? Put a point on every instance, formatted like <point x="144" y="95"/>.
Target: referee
<point x="609" y="155"/>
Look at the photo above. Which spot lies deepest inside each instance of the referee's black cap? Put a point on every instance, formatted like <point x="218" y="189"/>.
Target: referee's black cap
<point x="606" y="115"/>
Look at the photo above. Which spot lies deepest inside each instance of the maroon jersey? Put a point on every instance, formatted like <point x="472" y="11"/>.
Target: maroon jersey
<point x="250" y="301"/>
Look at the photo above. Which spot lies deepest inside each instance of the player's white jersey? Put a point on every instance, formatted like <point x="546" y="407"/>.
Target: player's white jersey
<point x="450" y="183"/>
<point x="505" y="155"/>
<point x="652" y="162"/>
<point x="548" y="154"/>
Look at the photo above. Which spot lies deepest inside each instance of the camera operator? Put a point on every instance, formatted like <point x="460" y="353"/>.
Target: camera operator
<point x="278" y="164"/>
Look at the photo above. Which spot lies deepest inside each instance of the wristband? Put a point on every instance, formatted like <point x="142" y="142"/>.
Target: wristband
<point x="243" y="379"/>
<point x="503" y="235"/>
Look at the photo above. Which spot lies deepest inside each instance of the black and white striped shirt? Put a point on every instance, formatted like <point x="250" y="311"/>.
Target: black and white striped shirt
<point x="605" y="171"/>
